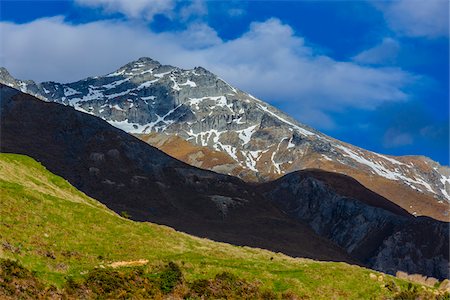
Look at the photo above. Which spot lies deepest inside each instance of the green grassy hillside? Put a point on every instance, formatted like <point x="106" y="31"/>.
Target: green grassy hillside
<point x="63" y="236"/>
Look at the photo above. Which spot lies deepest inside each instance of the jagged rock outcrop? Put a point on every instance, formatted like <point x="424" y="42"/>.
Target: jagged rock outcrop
<point x="369" y="227"/>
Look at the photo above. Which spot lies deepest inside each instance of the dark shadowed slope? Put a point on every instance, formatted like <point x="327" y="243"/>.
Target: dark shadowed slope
<point x="128" y="175"/>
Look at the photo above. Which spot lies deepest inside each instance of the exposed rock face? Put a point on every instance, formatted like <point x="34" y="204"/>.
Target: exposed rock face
<point x="145" y="97"/>
<point x="381" y="235"/>
<point x="401" y="250"/>
<point x="310" y="213"/>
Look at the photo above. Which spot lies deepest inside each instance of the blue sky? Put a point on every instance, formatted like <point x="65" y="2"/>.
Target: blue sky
<point x="371" y="73"/>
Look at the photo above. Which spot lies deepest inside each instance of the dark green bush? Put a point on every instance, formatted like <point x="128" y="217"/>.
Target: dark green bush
<point x="227" y="286"/>
<point x="170" y="277"/>
<point x="105" y="281"/>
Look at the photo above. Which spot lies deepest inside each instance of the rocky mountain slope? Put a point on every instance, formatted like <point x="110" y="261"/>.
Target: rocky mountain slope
<point x="258" y="142"/>
<point x="134" y="178"/>
<point x="340" y="209"/>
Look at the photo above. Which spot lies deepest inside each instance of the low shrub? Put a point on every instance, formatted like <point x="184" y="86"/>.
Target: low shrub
<point x="170" y="277"/>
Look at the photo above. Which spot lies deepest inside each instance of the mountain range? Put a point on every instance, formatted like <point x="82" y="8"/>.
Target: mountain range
<point x="197" y="117"/>
<point x="309" y="213"/>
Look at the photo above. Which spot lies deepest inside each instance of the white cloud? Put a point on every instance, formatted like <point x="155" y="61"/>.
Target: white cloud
<point x="269" y="61"/>
<point x="135" y="9"/>
<point x="384" y="53"/>
<point x="195" y="8"/>
<point x="417" y="18"/>
<point x="196" y="36"/>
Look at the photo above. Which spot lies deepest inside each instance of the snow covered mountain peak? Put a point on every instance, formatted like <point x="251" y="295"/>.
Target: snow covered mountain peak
<point x="137" y="67"/>
<point x="144" y="97"/>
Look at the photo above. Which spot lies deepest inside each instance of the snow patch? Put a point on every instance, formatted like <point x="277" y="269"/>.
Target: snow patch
<point x="246" y="134"/>
<point x="115" y="83"/>
<point x="189" y="83"/>
<point x="68" y="91"/>
<point x="147" y="84"/>
<point x="290" y="144"/>
<point x="161" y="75"/>
<point x="111" y="96"/>
<point x="148" y="98"/>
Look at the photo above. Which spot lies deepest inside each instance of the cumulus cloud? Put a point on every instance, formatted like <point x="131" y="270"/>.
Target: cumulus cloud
<point x="269" y="61"/>
<point x="384" y="53"/>
<point x="417" y="18"/>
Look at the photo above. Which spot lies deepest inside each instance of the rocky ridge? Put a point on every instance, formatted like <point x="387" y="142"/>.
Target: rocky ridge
<point x="144" y="97"/>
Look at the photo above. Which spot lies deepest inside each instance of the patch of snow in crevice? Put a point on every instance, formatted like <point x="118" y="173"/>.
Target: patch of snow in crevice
<point x="290" y="144"/>
<point x="202" y="138"/>
<point x="251" y="158"/>
<point x="147" y="84"/>
<point x="246" y="134"/>
<point x="277" y="165"/>
<point x="219" y="100"/>
<point x="68" y="91"/>
<point x="239" y="121"/>
<point x="326" y="157"/>
<point x="115" y="73"/>
<point x="93" y="94"/>
<point x="115" y="83"/>
<point x="111" y="96"/>
<point x="444" y="192"/>
<point x="230" y="150"/>
<point x="161" y="75"/>
<point x="23" y="86"/>
<point x="148" y="98"/>
<point x="175" y="86"/>
<point x="189" y="83"/>
<point x="146" y="71"/>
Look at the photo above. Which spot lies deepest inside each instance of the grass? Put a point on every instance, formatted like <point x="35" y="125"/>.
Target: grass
<point x="58" y="232"/>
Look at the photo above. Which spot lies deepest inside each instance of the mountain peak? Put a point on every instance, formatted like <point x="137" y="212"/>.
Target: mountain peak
<point x="5" y="76"/>
<point x="146" y="60"/>
<point x="137" y="66"/>
<point x="3" y="70"/>
<point x="202" y="71"/>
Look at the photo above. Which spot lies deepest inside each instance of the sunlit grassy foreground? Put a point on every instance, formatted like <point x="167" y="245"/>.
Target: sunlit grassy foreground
<point x="51" y="228"/>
